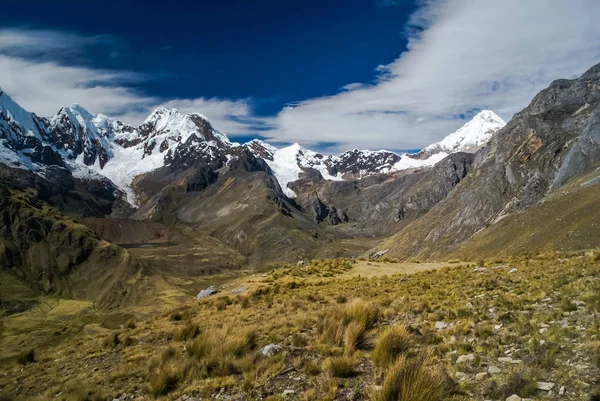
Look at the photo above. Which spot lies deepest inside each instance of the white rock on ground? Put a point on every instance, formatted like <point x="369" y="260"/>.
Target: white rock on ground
<point x="465" y="358"/>
<point x="440" y="325"/>
<point x="494" y="370"/>
<point x="545" y="386"/>
<point x="481" y="376"/>
<point x="270" y="350"/>
<point x="514" y="397"/>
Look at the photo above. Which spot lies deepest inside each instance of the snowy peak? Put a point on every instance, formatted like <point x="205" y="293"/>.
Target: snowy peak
<point x="16" y="120"/>
<point x="473" y="134"/>
<point x="261" y="149"/>
<point x="179" y="127"/>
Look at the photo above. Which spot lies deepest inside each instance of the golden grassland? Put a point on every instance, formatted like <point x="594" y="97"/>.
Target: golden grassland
<point x="343" y="329"/>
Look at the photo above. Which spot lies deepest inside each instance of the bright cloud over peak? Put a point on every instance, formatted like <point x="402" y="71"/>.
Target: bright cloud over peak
<point x="462" y="56"/>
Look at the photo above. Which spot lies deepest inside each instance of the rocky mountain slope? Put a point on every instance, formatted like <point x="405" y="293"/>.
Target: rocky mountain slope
<point x="552" y="140"/>
<point x="52" y="253"/>
<point x="176" y="180"/>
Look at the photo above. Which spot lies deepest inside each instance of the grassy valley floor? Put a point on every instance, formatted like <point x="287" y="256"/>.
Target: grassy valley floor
<point x="328" y="330"/>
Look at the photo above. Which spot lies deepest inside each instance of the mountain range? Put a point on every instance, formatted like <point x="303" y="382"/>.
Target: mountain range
<point x="200" y="202"/>
<point x="94" y="146"/>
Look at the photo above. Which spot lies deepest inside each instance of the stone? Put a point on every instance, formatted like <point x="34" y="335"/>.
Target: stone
<point x="494" y="370"/>
<point x="461" y="376"/>
<point x="516" y="361"/>
<point x="513" y="270"/>
<point x="505" y="359"/>
<point x="545" y="386"/>
<point x="440" y="325"/>
<point x="465" y="358"/>
<point x="481" y="376"/>
<point x="270" y="349"/>
<point x="288" y="392"/>
<point x="514" y="397"/>
<point x="238" y="290"/>
<point x="207" y="292"/>
<point x="562" y="390"/>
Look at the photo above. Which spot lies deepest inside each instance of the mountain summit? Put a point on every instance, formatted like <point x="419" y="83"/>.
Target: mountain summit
<point x="94" y="146"/>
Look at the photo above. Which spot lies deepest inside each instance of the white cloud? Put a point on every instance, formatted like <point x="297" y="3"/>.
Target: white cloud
<point x="44" y="86"/>
<point x="462" y="55"/>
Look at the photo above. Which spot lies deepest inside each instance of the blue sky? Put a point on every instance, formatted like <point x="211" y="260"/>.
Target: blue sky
<point x="328" y="74"/>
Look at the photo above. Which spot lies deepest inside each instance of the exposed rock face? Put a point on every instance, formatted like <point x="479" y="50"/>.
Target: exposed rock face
<point x="585" y="153"/>
<point x="436" y="185"/>
<point x="323" y="212"/>
<point x="358" y="163"/>
<point x="540" y="147"/>
<point x="377" y="204"/>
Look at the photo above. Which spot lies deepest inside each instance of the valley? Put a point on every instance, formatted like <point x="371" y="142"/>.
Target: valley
<point x="165" y="261"/>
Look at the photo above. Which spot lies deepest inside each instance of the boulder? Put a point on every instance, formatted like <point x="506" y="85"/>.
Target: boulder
<point x="270" y="349"/>
<point x="207" y="292"/>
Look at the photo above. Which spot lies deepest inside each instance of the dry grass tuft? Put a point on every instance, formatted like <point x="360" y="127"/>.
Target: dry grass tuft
<point x="393" y="342"/>
<point x="342" y="366"/>
<point x="187" y="332"/>
<point x="348" y="324"/>
<point x="408" y="379"/>
<point x="165" y="376"/>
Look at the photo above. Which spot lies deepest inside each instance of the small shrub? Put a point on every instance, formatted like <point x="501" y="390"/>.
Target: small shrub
<point x="25" y="357"/>
<point x="342" y="367"/>
<point x="187" y="332"/>
<point x="130" y="324"/>
<point x="410" y="380"/>
<point x="394" y="341"/>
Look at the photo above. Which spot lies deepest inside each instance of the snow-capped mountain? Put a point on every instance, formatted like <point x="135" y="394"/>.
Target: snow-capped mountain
<point x="94" y="146"/>
<point x="473" y="134"/>
<point x="288" y="163"/>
